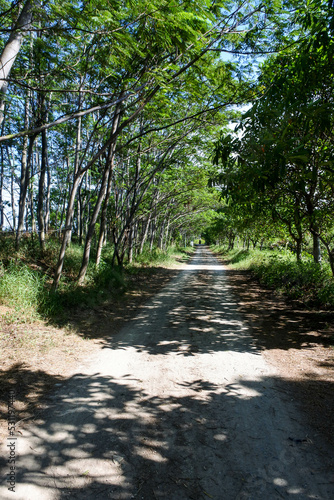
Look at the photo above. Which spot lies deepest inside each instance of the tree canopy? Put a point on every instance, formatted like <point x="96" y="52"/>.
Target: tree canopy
<point x="281" y="160"/>
<point x="110" y="111"/>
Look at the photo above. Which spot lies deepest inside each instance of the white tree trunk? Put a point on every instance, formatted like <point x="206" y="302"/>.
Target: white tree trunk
<point x="12" y="49"/>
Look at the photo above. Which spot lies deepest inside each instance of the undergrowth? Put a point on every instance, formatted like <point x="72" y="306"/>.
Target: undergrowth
<point x="26" y="276"/>
<point x="24" y="290"/>
<point x="306" y="281"/>
<point x="163" y="257"/>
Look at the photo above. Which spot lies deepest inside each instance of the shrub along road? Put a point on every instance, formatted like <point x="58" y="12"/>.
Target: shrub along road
<point x="180" y="404"/>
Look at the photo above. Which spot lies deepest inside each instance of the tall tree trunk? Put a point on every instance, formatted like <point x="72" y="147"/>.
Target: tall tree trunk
<point x="299" y="242"/>
<point x="132" y="239"/>
<point x="153" y="231"/>
<point x="41" y="187"/>
<point x="12" y="195"/>
<point x="67" y="233"/>
<point x="161" y="234"/>
<point x="1" y="187"/>
<point x="24" y="183"/>
<point x="32" y="212"/>
<point x="103" y="224"/>
<point x="2" y="167"/>
<point x="80" y="216"/>
<point x="48" y="198"/>
<point x="78" y="143"/>
<point x="27" y="151"/>
<point x="144" y="235"/>
<point x="316" y="247"/>
<point x="91" y="227"/>
<point x="165" y="245"/>
<point x="108" y="190"/>
<point x="12" y="49"/>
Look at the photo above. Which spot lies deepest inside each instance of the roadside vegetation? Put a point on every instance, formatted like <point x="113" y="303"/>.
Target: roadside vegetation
<point x="308" y="282"/>
<point x="25" y="278"/>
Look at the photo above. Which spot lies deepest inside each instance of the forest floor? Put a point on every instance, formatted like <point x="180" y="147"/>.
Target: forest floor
<point x="296" y="343"/>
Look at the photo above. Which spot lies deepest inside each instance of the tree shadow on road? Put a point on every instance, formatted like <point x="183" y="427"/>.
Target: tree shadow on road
<point x="105" y="438"/>
<point x="276" y="323"/>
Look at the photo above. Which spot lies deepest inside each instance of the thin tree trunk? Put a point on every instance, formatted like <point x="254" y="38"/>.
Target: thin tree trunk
<point x="48" y="198"/>
<point x="316" y="247"/>
<point x="161" y="234"/>
<point x="153" y="231"/>
<point x="104" y="215"/>
<point x="32" y="212"/>
<point x="2" y="167"/>
<point x="132" y="240"/>
<point x="67" y="233"/>
<point x="108" y="190"/>
<point x="78" y="144"/>
<point x="41" y="187"/>
<point x="145" y="233"/>
<point x="24" y="183"/>
<point x="1" y="187"/>
<point x="12" y="195"/>
<point x="12" y="49"/>
<point x="165" y="246"/>
<point x="91" y="227"/>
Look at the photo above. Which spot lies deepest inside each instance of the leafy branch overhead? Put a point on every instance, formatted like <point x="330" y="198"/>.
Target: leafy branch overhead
<point x="111" y="109"/>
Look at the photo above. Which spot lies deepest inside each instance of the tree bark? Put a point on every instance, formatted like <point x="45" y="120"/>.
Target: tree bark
<point x="12" y="193"/>
<point x="91" y="227"/>
<point x="144" y="235"/>
<point x="316" y="247"/>
<point x="67" y="233"/>
<point x="104" y="215"/>
<point x="24" y="183"/>
<point x="1" y="188"/>
<point x="12" y="49"/>
<point x="48" y="197"/>
<point x="41" y="187"/>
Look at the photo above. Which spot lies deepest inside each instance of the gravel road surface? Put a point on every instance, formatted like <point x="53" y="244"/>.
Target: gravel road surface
<point x="179" y="405"/>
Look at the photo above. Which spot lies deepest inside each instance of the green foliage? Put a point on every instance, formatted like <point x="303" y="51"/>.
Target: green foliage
<point x="282" y="162"/>
<point x="153" y="257"/>
<point x="24" y="290"/>
<point x="106" y="277"/>
<point x="305" y="281"/>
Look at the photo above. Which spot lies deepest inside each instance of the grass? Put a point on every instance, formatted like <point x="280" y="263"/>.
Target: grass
<point x="306" y="281"/>
<point x="26" y="276"/>
<point x="170" y="256"/>
<point x="23" y="290"/>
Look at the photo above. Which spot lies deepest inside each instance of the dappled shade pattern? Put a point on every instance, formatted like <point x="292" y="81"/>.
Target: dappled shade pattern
<point x="179" y="405"/>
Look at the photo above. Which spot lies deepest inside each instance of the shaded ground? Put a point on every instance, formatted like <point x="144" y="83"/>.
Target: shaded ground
<point x="182" y="404"/>
<point x="37" y="357"/>
<point x="298" y="341"/>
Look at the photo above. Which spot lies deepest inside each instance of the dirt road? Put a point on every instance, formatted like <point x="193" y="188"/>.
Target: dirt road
<point x="181" y="405"/>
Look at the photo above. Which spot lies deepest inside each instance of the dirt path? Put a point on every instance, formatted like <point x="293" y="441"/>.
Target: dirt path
<point x="181" y="405"/>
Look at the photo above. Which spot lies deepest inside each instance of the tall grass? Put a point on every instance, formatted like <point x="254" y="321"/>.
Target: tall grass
<point x="25" y="277"/>
<point x="24" y="290"/>
<point x="306" y="281"/>
<point x="156" y="257"/>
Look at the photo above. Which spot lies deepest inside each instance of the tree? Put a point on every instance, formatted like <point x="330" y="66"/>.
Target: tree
<point x="12" y="48"/>
<point x="145" y="57"/>
<point x="283" y="159"/>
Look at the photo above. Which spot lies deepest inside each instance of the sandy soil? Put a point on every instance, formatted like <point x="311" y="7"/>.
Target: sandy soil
<point x="182" y="403"/>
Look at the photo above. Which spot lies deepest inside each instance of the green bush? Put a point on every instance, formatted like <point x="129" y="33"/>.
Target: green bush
<point x="107" y="277"/>
<point x="151" y="257"/>
<point x="306" y="281"/>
